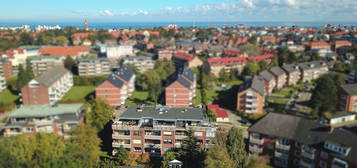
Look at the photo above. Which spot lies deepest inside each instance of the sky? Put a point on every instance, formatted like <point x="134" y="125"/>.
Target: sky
<point x="178" y="10"/>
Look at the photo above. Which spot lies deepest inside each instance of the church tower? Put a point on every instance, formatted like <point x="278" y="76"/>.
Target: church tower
<point x="86" y="28"/>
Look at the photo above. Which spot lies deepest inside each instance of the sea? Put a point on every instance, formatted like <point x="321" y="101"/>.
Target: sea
<point x="137" y="25"/>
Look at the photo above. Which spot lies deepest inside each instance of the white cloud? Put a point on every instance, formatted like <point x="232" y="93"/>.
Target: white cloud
<point x="111" y="13"/>
<point x="106" y="13"/>
<point x="248" y="3"/>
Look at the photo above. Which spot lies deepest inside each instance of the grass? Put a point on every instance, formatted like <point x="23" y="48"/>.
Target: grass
<point x="6" y="97"/>
<point x="78" y="94"/>
<point x="138" y="98"/>
<point x="232" y="83"/>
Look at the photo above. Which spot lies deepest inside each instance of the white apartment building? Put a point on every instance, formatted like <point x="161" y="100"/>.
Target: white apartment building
<point x="94" y="67"/>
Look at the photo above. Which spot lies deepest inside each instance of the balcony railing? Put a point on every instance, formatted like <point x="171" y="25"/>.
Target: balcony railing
<point x="117" y="145"/>
<point x="125" y="127"/>
<point x="117" y="136"/>
<point x="282" y="146"/>
<point x="158" y="137"/>
<point x="256" y="140"/>
<point x="309" y="155"/>
<point x="306" y="164"/>
<point x="156" y="146"/>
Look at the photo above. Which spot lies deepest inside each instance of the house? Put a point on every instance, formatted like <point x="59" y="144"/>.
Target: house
<point x="227" y="63"/>
<point x="318" y="45"/>
<point x="187" y="59"/>
<point x="95" y="66"/>
<point x="17" y="56"/>
<point x="118" y="87"/>
<point x="42" y="64"/>
<point x="181" y="88"/>
<point x="47" y="88"/>
<point x="221" y="114"/>
<point x="142" y="63"/>
<point x="74" y="51"/>
<point x="312" y="70"/>
<point x="293" y="73"/>
<point x="78" y="38"/>
<point x="5" y="67"/>
<point x="159" y="129"/>
<point x="269" y="39"/>
<point x="251" y="96"/>
<point x="269" y="81"/>
<point x="116" y="51"/>
<point x="341" y="43"/>
<point x="56" y="119"/>
<point x="347" y="97"/>
<point x="292" y="141"/>
<point x="280" y="76"/>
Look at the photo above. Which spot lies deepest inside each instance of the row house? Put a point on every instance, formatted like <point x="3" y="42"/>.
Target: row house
<point x="292" y="141"/>
<point x="181" y="88"/>
<point x="5" y="67"/>
<point x="96" y="66"/>
<point x="73" y="51"/>
<point x="347" y="97"/>
<point x="142" y="63"/>
<point x="312" y="70"/>
<point x="118" y="87"/>
<point x="269" y="81"/>
<point x="280" y="76"/>
<point x="251" y="96"/>
<point x="227" y="63"/>
<point x="42" y="64"/>
<point x="160" y="129"/>
<point x="56" y="119"/>
<point x="293" y="73"/>
<point x="187" y="59"/>
<point x="47" y="88"/>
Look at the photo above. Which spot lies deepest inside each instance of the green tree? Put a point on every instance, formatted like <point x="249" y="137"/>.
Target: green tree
<point x="224" y="76"/>
<point x="212" y="114"/>
<point x="169" y="156"/>
<point x="70" y="64"/>
<point x="26" y="39"/>
<point x="121" y="156"/>
<point x="98" y="113"/>
<point x="191" y="154"/>
<point x="263" y="65"/>
<point x="236" y="148"/>
<point x="217" y="157"/>
<point x="29" y="70"/>
<point x="131" y="160"/>
<point x="250" y="69"/>
<point x="21" y="78"/>
<point x="292" y="58"/>
<point x="259" y="162"/>
<point x="324" y="96"/>
<point x="253" y="40"/>
<point x="61" y="40"/>
<point x="251" y="50"/>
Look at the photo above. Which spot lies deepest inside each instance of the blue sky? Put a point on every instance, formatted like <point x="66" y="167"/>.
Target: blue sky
<point x="179" y="10"/>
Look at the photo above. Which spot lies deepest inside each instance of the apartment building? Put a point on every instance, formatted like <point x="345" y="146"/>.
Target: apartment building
<point x="160" y="129"/>
<point x="117" y="51"/>
<point x="312" y="70"/>
<point x="269" y="81"/>
<point x="280" y="76"/>
<point x="47" y="88"/>
<point x="96" y="66"/>
<point x="292" y="141"/>
<point x="187" y="59"/>
<point x="42" y="64"/>
<point x="5" y="67"/>
<point x="17" y="56"/>
<point x="293" y="73"/>
<point x="227" y="63"/>
<point x="143" y="63"/>
<point x="165" y="54"/>
<point x="251" y="96"/>
<point x="118" y="87"/>
<point x="181" y="88"/>
<point x="57" y="119"/>
<point x="348" y="97"/>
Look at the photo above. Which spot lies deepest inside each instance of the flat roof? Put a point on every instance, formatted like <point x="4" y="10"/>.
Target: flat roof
<point x="44" y="110"/>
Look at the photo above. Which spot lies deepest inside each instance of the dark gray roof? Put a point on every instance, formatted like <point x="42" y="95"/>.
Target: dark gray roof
<point x="115" y="81"/>
<point x="52" y="75"/>
<point x="277" y="71"/>
<point x="350" y="89"/>
<point x="289" y="68"/>
<point x="188" y="73"/>
<point x="266" y="75"/>
<point x="305" y="131"/>
<point x="184" y="75"/>
<point x="167" y="113"/>
<point x="256" y="84"/>
<point x="184" y="82"/>
<point x="312" y="65"/>
<point x="124" y="73"/>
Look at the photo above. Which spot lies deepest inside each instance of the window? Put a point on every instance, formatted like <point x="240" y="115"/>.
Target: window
<point x="167" y="133"/>
<point x="167" y="141"/>
<point x="28" y="129"/>
<point x="136" y="141"/>
<point x="198" y="133"/>
<point x="137" y="133"/>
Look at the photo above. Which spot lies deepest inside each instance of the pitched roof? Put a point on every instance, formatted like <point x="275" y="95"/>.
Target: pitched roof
<point x="63" y="51"/>
<point x="260" y="57"/>
<point x="277" y="71"/>
<point x="312" y="65"/>
<point x="290" y="68"/>
<point x="188" y="73"/>
<point x="350" y="89"/>
<point x="185" y="82"/>
<point x="115" y="81"/>
<point x="227" y="61"/>
<point x="184" y="56"/>
<point x="318" y="44"/>
<point x="124" y="73"/>
<point x="52" y="75"/>
<point x="305" y="131"/>
<point x="220" y="113"/>
<point x="256" y="84"/>
<point x="231" y="52"/>
<point x="266" y="75"/>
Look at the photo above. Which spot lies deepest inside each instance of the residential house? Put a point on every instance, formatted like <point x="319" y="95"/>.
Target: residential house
<point x="159" y="129"/>
<point x="280" y="76"/>
<point x="143" y="63"/>
<point x="312" y="70"/>
<point x="269" y="81"/>
<point x="293" y="73"/>
<point x="42" y="64"/>
<point x="348" y="97"/>
<point x="221" y="114"/>
<point x="47" y="88"/>
<point x="118" y="87"/>
<point x="341" y="43"/>
<point x="187" y="59"/>
<point x="271" y="40"/>
<point x="80" y="38"/>
<point x="73" y="51"/>
<point x="17" y="56"/>
<point x="56" y="119"/>
<point x="165" y="54"/>
<point x="251" y="96"/>
<point x="292" y="141"/>
<point x="181" y="88"/>
<point x="96" y="66"/>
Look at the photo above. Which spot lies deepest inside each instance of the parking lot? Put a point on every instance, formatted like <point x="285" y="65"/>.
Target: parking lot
<point x="299" y="103"/>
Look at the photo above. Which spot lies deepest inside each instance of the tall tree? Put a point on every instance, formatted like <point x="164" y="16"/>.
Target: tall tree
<point x="26" y="39"/>
<point x="191" y="154"/>
<point x="250" y="69"/>
<point x="236" y="148"/>
<point x="217" y="157"/>
<point x="169" y="156"/>
<point x="324" y="96"/>
<point x="131" y="160"/>
<point x="29" y="71"/>
<point x="70" y="64"/>
<point x="61" y="40"/>
<point x="121" y="156"/>
<point x="98" y="113"/>
<point x="21" y="78"/>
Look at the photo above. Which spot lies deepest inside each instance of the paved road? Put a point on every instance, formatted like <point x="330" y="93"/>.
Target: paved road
<point x="236" y="122"/>
<point x="299" y="105"/>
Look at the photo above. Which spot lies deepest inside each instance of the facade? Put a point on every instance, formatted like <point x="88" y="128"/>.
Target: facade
<point x="269" y="81"/>
<point x="74" y="51"/>
<point x="280" y="76"/>
<point x="17" y="56"/>
<point x="292" y="141"/>
<point x="293" y="73"/>
<point x="160" y="129"/>
<point x="165" y="54"/>
<point x="42" y="64"/>
<point x="312" y="70"/>
<point x="57" y="119"/>
<point x="100" y="66"/>
<point x="5" y="67"/>
<point x="187" y="59"/>
<point x="2" y="82"/>
<point x="319" y="45"/>
<point x="117" y="51"/>
<point x="251" y="96"/>
<point x="47" y="88"/>
<point x="181" y="89"/>
<point x="347" y="97"/>
<point x="227" y="63"/>
<point x="118" y="87"/>
<point x="143" y="63"/>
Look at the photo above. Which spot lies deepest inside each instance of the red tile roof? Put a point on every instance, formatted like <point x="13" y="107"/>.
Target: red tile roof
<point x="184" y="56"/>
<point x="343" y="42"/>
<point x="231" y="52"/>
<point x="319" y="44"/>
<point x="63" y="51"/>
<point x="227" y="61"/>
<point x="220" y="113"/>
<point x="81" y="35"/>
<point x="260" y="57"/>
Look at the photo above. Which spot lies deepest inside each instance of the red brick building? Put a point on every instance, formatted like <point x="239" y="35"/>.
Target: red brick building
<point x="5" y="67"/>
<point x="348" y="97"/>
<point x="251" y="96"/>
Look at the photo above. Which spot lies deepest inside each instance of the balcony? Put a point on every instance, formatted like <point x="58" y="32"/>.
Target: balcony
<point x="117" y="136"/>
<point x="308" y="154"/>
<point x="307" y="163"/>
<point x="177" y="145"/>
<point x="338" y="163"/>
<point x="255" y="149"/>
<point x="282" y="146"/>
<point x="157" y="137"/>
<point x="164" y="127"/>
<point x="117" y="145"/>
<point x="155" y="146"/>
<point x="256" y="140"/>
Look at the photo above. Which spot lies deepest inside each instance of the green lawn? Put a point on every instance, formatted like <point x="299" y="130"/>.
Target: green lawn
<point x="138" y="98"/>
<point x="232" y="83"/>
<point x="77" y="94"/>
<point x="6" y="97"/>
